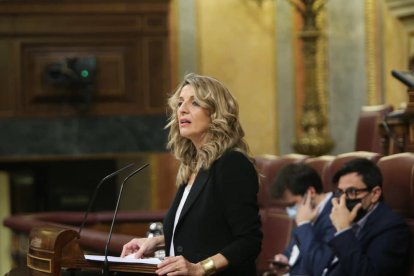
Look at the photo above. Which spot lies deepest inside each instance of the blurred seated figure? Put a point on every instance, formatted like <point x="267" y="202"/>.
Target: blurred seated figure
<point x="300" y="186"/>
<point x="370" y="238"/>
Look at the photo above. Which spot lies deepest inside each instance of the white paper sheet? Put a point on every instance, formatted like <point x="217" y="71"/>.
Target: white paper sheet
<point x="294" y="255"/>
<point x="114" y="259"/>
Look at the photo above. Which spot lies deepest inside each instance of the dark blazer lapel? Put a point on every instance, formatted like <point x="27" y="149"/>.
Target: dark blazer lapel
<point x="373" y="217"/>
<point x="198" y="186"/>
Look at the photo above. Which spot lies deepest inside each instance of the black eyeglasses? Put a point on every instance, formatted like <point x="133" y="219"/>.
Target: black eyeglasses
<point x="350" y="193"/>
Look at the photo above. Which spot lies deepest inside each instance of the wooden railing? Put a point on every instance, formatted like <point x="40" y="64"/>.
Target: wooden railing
<point x="95" y="235"/>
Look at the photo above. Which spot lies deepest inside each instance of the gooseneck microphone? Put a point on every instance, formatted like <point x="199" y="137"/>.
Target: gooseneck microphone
<point x="92" y="199"/>
<point x="105" y="269"/>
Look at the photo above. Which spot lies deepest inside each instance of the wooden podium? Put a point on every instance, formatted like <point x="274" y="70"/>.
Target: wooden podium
<point x="52" y="249"/>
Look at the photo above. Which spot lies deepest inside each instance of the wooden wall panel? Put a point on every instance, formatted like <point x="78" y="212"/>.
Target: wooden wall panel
<point x="157" y="71"/>
<point x="7" y="79"/>
<point x="118" y="83"/>
<point x="130" y="42"/>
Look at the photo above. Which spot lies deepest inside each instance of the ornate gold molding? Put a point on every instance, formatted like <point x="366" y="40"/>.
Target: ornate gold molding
<point x="401" y="8"/>
<point x="314" y="138"/>
<point x="321" y="62"/>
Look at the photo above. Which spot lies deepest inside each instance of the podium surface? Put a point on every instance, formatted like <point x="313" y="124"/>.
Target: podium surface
<point x="52" y="249"/>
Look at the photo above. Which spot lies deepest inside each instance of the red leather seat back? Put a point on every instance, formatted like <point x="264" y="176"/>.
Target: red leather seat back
<point x="398" y="190"/>
<point x="262" y="164"/>
<point x="276" y="235"/>
<point x="398" y="184"/>
<point x="368" y="136"/>
<point x="343" y="158"/>
<point x="268" y="166"/>
<point x="410" y="223"/>
<point x="321" y="165"/>
<point x="276" y="225"/>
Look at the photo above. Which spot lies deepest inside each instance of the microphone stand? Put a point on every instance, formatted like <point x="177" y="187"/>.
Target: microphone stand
<point x="106" y="268"/>
<point x="96" y="191"/>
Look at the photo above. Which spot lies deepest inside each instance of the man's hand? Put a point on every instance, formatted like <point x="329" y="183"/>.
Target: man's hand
<point x="279" y="265"/>
<point x="305" y="212"/>
<point x="340" y="216"/>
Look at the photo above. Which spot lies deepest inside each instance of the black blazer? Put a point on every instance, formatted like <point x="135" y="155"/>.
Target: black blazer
<point x="220" y="215"/>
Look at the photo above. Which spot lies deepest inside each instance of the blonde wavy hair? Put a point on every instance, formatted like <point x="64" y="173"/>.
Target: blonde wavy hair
<point x="225" y="131"/>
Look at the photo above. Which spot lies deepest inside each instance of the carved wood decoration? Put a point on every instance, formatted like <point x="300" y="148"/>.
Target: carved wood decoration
<point x="129" y="39"/>
<point x="398" y="131"/>
<point x="52" y="248"/>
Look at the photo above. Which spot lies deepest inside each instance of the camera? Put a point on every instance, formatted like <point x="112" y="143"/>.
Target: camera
<point x="74" y="72"/>
<point x="74" y="79"/>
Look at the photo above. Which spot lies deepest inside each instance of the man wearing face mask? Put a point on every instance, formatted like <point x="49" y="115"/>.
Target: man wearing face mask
<point x="370" y="238"/>
<point x="300" y="186"/>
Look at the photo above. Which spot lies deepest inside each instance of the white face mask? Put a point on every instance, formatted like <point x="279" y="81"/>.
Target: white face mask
<point x="291" y="211"/>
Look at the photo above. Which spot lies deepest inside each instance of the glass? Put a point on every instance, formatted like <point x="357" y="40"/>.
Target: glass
<point x="350" y="193"/>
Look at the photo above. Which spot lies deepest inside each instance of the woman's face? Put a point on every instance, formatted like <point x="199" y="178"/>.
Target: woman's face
<point x="193" y="120"/>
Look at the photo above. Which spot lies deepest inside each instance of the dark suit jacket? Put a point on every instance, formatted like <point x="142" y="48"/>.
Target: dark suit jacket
<point x="380" y="249"/>
<point x="311" y="240"/>
<point x="220" y="215"/>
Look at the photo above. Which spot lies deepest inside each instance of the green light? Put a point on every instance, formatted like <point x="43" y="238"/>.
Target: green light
<point x="84" y="73"/>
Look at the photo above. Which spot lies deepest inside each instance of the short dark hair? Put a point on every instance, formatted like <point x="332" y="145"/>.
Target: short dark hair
<point x="369" y="171"/>
<point x="297" y="178"/>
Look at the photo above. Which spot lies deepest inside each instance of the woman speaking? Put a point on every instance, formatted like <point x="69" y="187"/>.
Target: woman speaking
<point x="213" y="225"/>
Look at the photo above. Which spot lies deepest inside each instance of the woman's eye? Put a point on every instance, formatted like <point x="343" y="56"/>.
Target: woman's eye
<point x="180" y="104"/>
<point x="195" y="103"/>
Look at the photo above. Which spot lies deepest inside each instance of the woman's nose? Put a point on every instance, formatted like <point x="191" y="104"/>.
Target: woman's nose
<point x="183" y="108"/>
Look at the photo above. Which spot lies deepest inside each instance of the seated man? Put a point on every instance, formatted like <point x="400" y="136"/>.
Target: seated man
<point x="301" y="187"/>
<point x="370" y="238"/>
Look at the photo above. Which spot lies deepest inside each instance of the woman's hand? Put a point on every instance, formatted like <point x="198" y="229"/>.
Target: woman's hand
<point x="141" y="246"/>
<point x="178" y="265"/>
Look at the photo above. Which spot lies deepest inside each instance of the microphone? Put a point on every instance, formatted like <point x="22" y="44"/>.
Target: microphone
<point x="92" y="199"/>
<point x="106" y="270"/>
